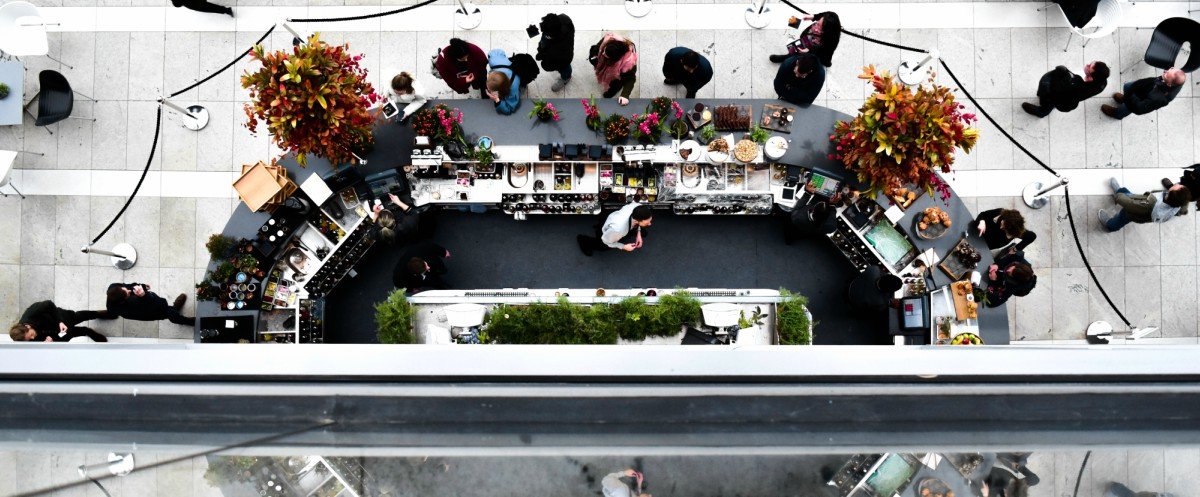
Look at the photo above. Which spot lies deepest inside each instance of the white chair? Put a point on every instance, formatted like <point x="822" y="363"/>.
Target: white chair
<point x="23" y="31"/>
<point x="7" y="159"/>
<point x="1106" y="21"/>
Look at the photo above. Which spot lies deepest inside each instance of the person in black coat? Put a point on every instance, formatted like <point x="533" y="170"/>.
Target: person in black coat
<point x="1063" y="90"/>
<point x="1078" y="12"/>
<point x="1010" y="276"/>
<point x="421" y="267"/>
<point x="46" y="322"/>
<point x="135" y="301"/>
<point x="873" y="290"/>
<point x="809" y="220"/>
<point x="203" y="6"/>
<point x="800" y="79"/>
<point x="683" y="66"/>
<point x="1146" y="95"/>
<point x="998" y="227"/>
<point x="820" y="38"/>
<point x="556" y="48"/>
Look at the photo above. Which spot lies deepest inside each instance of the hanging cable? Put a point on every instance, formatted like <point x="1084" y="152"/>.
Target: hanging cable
<point x="1082" y="255"/>
<point x="227" y="66"/>
<point x="367" y="16"/>
<point x="149" y="160"/>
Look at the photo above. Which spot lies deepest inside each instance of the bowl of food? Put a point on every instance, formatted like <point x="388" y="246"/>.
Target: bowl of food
<point x="932" y="223"/>
<point x="775" y="148"/>
<point x="966" y="339"/>
<point x="745" y="150"/>
<point x="718" y="150"/>
<point x="690" y="151"/>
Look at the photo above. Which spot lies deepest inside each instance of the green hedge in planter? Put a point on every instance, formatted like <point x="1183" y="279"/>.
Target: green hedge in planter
<point x="393" y="319"/>
<point x="631" y="319"/>
<point x="791" y="315"/>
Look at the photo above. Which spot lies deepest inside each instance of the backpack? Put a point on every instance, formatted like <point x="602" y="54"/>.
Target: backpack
<point x="524" y="67"/>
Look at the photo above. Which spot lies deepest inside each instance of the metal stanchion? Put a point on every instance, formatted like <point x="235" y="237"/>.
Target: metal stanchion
<point x="117" y="465"/>
<point x="756" y="14"/>
<point x="913" y="74"/>
<point x="1034" y="193"/>
<point x="1101" y="332"/>
<point x="467" y="15"/>
<point x="638" y="8"/>
<point x="297" y="37"/>
<point x="123" y="255"/>
<point x="197" y="115"/>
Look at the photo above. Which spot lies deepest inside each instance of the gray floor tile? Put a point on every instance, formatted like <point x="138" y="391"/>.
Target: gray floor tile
<point x="10" y="301"/>
<point x="103" y="211"/>
<point x="10" y="224"/>
<point x="72" y="222"/>
<point x="1106" y="466"/>
<point x="841" y="80"/>
<point x="1143" y="296"/>
<point x="1103" y="248"/>
<point x="37" y="232"/>
<point x="958" y="51"/>
<point x="141" y="123"/>
<point x="1070" y="296"/>
<point x="1028" y="65"/>
<point x="142" y="228"/>
<point x="993" y="151"/>
<point x="654" y="44"/>
<point x="37" y="284"/>
<point x="146" y="65"/>
<point x="1104" y="136"/>
<point x="993" y="63"/>
<point x="1032" y="133"/>
<point x="1176" y="136"/>
<point x="1139" y="140"/>
<point x="1143" y="243"/>
<point x="1065" y="253"/>
<point x="177" y="144"/>
<point x="112" y="71"/>
<point x="71" y="289"/>
<point x="1032" y="311"/>
<point x="211" y="217"/>
<point x="705" y="42"/>
<point x="1068" y="142"/>
<point x="1179" y="301"/>
<point x="1180" y="469"/>
<point x="214" y="143"/>
<point x="177" y="228"/>
<point x="109" y="135"/>
<point x="216" y="50"/>
<point x="736" y="69"/>
<point x="182" y="64"/>
<point x="1113" y="280"/>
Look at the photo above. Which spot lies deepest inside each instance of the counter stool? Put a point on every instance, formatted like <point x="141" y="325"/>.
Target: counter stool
<point x="7" y="159"/>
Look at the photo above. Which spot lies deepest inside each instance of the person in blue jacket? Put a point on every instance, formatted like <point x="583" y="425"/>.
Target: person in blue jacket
<point x="683" y="66"/>
<point x="800" y="79"/>
<point x="503" y="84"/>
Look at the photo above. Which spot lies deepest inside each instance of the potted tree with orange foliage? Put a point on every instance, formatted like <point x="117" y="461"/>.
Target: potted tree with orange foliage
<point x="313" y="99"/>
<point x="903" y="137"/>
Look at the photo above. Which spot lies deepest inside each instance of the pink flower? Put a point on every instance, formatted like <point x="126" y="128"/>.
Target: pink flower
<point x="678" y="110"/>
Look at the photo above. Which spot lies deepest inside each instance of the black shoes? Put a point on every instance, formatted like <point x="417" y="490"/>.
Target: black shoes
<point x="179" y="301"/>
<point x="778" y="58"/>
<point x="584" y="246"/>
<point x="1030" y="109"/>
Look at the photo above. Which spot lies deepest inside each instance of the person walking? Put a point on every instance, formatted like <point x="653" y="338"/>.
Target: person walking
<point x="135" y="301"/>
<point x="820" y="38"/>
<point x="873" y="290"/>
<point x="1146" y="95"/>
<point x="1149" y="207"/>
<point x="1063" y="90"/>
<point x="800" y="79"/>
<point x="203" y="6"/>
<point x="684" y="66"/>
<point x="556" y="48"/>
<point x="615" y="61"/>
<point x="45" y="322"/>
<point x="612" y="485"/>
<point x="1011" y="276"/>
<point x="421" y="267"/>
<point x="462" y="66"/>
<point x="624" y="229"/>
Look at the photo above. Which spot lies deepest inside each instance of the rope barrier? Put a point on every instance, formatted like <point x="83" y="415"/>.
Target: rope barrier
<point x="1078" y="245"/>
<point x="993" y="121"/>
<point x="149" y="160"/>
<point x="227" y="66"/>
<point x="367" y="16"/>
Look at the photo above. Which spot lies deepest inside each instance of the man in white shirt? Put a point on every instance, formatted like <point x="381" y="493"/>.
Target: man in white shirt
<point x="624" y="229"/>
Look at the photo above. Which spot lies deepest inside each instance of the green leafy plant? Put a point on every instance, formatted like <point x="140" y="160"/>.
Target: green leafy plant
<point x="708" y="132"/>
<point x="561" y="323"/>
<point x="981" y="296"/>
<point x="393" y="319"/>
<point x="313" y="99"/>
<point x="207" y="291"/>
<point x="679" y="129"/>
<point x="228" y="469"/>
<point x="635" y="319"/>
<point x="245" y="263"/>
<point x="220" y="246"/>
<point x="647" y="127"/>
<point x="759" y="135"/>
<point x="903" y="137"/>
<point x="660" y="105"/>
<point x="4" y="91"/>
<point x="484" y="156"/>
<point x="543" y="110"/>
<point x="755" y="319"/>
<point x="223" y="272"/>
<point x="792" y="321"/>
<point x="675" y="309"/>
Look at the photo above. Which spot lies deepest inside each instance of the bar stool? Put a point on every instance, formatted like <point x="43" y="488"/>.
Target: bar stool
<point x="7" y="159"/>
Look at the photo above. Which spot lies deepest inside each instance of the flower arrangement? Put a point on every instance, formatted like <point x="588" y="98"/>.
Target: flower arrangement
<point x="313" y="99"/>
<point x="439" y="123"/>
<point x="647" y="127"/>
<point x="543" y="110"/>
<point x="678" y="129"/>
<point x="660" y="105"/>
<point x="593" y="118"/>
<point x="902" y="137"/>
<point x="616" y="128"/>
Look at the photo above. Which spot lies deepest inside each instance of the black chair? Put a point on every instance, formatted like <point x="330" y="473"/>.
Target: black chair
<point x="55" y="100"/>
<point x="1167" y="41"/>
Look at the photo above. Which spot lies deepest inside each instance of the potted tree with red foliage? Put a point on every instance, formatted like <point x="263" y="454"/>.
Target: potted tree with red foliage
<point x="313" y="99"/>
<point x="903" y="137"/>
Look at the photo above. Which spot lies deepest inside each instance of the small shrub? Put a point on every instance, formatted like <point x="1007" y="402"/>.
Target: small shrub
<point x="219" y="246"/>
<point x="676" y="309"/>
<point x="793" y="324"/>
<point x="393" y="318"/>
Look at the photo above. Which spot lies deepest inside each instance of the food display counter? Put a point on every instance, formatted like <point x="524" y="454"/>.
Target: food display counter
<point x="565" y="168"/>
<point x="912" y="475"/>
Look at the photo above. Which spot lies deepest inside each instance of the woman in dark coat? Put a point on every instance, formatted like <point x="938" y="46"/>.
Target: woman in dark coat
<point x="46" y="322"/>
<point x="556" y="48"/>
<point x="999" y="227"/>
<point x="462" y="66"/>
<point x="820" y="38"/>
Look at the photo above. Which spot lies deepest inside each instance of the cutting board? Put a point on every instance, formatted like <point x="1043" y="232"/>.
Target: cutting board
<point x="961" y="310"/>
<point x="777" y="123"/>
